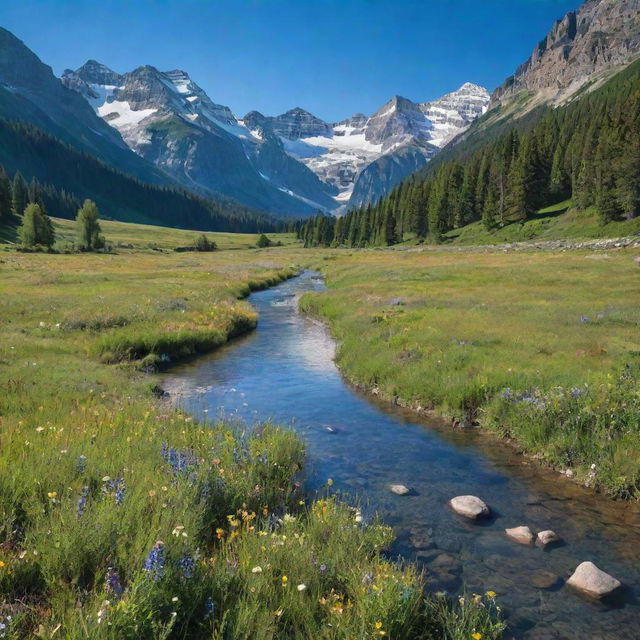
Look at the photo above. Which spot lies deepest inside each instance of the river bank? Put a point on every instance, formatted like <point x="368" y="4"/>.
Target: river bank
<point x="549" y="363"/>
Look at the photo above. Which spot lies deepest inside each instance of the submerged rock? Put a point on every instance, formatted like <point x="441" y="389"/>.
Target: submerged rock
<point x="592" y="581"/>
<point x="544" y="579"/>
<point x="399" y="489"/>
<point x="470" y="507"/>
<point x="521" y="535"/>
<point x="547" y="537"/>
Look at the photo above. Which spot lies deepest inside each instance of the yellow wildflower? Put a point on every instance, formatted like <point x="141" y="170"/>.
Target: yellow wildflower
<point x="285" y="579"/>
<point x="476" y="636"/>
<point x="52" y="494"/>
<point x="378" y="625"/>
<point x="492" y="594"/>
<point x="2" y="564"/>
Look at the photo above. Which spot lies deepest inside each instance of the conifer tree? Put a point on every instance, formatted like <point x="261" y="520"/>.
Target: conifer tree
<point x="5" y="195"/>
<point x="36" y="228"/>
<point x="88" y="228"/>
<point x="19" y="194"/>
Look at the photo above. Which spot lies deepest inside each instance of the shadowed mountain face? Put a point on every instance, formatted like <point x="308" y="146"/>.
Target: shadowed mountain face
<point x="29" y="92"/>
<point x="292" y="163"/>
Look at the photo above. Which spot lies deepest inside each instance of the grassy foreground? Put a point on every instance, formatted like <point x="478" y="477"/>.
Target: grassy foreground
<point x="122" y="518"/>
<point x="543" y="348"/>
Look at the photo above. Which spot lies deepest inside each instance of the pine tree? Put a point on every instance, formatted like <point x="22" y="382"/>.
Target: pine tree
<point x="5" y="195"/>
<point x="88" y="228"/>
<point x="19" y="194"/>
<point x="490" y="209"/>
<point x="36" y="228"/>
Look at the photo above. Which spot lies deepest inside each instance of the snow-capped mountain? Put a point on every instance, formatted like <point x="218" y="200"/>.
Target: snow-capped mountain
<point x="292" y="163"/>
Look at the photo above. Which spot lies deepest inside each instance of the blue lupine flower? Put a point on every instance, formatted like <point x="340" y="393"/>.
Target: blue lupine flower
<point x="82" y="501"/>
<point x="81" y="464"/>
<point x="113" y="584"/>
<point x="209" y="607"/>
<point x="507" y="394"/>
<point x="154" y="564"/>
<point x="187" y="565"/>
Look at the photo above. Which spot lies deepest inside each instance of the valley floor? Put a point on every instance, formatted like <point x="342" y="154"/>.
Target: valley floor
<point x="122" y="518"/>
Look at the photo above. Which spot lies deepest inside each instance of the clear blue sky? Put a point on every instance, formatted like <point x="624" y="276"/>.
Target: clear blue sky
<point x="331" y="57"/>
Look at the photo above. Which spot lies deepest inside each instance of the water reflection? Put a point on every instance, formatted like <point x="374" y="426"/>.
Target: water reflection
<point x="284" y="371"/>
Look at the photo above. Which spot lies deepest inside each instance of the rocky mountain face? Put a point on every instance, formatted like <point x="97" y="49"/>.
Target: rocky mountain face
<point x="293" y="163"/>
<point x="363" y="157"/>
<point x="169" y="120"/>
<point x="29" y="92"/>
<point x="584" y="47"/>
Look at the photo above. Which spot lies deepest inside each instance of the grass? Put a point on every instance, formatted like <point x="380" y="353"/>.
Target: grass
<point x="129" y="236"/>
<point x="557" y="222"/>
<point x="542" y="348"/>
<point x="121" y="517"/>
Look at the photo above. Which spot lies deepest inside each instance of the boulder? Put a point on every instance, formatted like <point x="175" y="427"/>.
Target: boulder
<point x="399" y="489"/>
<point x="521" y="535"/>
<point x="593" y="582"/>
<point x="470" y="507"/>
<point x="547" y="537"/>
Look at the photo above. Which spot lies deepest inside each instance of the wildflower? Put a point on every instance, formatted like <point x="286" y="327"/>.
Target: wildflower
<point x="209" y="607"/>
<point x="2" y="564"/>
<point x="492" y="594"/>
<point x="330" y="482"/>
<point x="358" y="517"/>
<point x="112" y="582"/>
<point x="82" y="502"/>
<point x="52" y="495"/>
<point x="174" y="599"/>
<point x="585" y="319"/>
<point x="378" y="625"/>
<point x="187" y="566"/>
<point x="81" y="464"/>
<point x="179" y="531"/>
<point x="154" y="564"/>
<point x="284" y="580"/>
<point x="257" y="569"/>
<point x="301" y="587"/>
<point x="476" y="636"/>
<point x="322" y="568"/>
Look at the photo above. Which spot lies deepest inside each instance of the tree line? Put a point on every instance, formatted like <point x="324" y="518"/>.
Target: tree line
<point x="588" y="151"/>
<point x="25" y="148"/>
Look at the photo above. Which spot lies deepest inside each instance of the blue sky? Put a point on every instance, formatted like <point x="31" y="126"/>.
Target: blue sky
<point x="331" y="57"/>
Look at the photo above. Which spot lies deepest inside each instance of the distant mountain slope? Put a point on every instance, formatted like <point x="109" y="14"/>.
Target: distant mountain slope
<point x="36" y="154"/>
<point x="169" y="120"/>
<point x="29" y="92"/>
<point x="294" y="163"/>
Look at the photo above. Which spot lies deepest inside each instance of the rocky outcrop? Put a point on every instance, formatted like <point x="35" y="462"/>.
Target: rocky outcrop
<point x="600" y="36"/>
<point x="470" y="507"/>
<point x="298" y="123"/>
<point x="593" y="582"/>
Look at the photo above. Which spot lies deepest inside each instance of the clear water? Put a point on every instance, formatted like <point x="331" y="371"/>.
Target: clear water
<point x="285" y="372"/>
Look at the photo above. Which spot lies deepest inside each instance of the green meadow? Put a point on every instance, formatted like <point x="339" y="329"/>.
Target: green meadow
<point x="542" y="348"/>
<point x="122" y="517"/>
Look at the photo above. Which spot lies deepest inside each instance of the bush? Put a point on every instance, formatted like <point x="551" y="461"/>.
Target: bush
<point x="263" y="242"/>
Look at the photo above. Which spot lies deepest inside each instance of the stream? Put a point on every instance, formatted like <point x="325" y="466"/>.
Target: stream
<point x="284" y="372"/>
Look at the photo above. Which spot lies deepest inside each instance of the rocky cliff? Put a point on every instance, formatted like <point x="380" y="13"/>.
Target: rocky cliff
<point x="582" y="48"/>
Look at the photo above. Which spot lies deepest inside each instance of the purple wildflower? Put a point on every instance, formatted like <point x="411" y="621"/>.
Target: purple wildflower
<point x="81" y="464"/>
<point x="187" y="565"/>
<point x="113" y="584"/>
<point x="154" y="564"/>
<point x="82" y="501"/>
<point x="507" y="394"/>
<point x="322" y="568"/>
